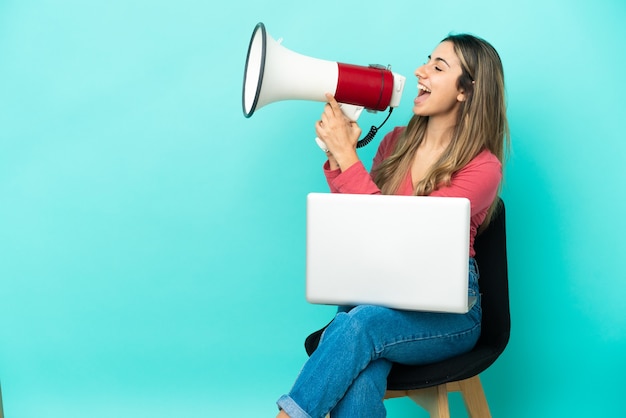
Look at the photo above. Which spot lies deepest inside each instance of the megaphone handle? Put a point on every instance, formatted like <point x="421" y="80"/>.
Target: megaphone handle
<point x="352" y="112"/>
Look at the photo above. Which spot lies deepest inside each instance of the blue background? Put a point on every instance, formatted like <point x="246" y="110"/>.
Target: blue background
<point x="152" y="238"/>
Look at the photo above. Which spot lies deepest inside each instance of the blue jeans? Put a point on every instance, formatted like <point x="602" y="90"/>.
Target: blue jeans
<point x="347" y="374"/>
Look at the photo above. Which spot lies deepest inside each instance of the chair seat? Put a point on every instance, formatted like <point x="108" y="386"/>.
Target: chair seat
<point x="404" y="377"/>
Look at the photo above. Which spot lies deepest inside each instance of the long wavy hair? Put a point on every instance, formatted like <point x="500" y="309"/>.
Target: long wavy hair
<point x="481" y="123"/>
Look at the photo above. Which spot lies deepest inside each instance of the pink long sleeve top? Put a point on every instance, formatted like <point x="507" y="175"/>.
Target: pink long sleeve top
<point x="478" y="181"/>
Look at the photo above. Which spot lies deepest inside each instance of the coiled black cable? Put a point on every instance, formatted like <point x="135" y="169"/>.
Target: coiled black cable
<point x="372" y="133"/>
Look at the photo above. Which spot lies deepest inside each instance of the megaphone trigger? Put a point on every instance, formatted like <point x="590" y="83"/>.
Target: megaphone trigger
<point x="352" y="112"/>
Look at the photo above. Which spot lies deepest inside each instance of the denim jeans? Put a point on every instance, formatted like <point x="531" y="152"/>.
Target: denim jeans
<point x="347" y="374"/>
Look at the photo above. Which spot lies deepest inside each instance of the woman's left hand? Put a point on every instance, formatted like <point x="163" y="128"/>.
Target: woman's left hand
<point x="339" y="133"/>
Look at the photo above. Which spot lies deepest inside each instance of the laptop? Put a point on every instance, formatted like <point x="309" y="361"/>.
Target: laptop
<point x="403" y="252"/>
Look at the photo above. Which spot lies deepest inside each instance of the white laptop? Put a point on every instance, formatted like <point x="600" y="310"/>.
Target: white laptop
<point x="404" y="252"/>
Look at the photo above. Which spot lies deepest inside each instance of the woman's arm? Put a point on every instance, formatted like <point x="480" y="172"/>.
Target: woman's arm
<point x="355" y="179"/>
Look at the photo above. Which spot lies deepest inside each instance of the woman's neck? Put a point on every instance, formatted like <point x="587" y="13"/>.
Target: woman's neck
<point x="438" y="135"/>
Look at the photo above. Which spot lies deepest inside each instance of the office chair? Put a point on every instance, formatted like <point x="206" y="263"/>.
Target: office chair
<point x="428" y="385"/>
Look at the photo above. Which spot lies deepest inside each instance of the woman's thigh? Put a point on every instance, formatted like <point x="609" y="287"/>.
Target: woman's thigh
<point x="413" y="337"/>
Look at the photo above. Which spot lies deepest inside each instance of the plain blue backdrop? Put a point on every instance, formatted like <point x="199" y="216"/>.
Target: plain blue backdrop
<point x="152" y="238"/>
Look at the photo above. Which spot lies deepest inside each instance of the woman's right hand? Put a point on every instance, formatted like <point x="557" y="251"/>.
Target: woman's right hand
<point x="340" y="135"/>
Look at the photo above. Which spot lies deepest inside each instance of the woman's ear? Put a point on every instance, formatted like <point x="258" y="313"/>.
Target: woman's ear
<point x="461" y="97"/>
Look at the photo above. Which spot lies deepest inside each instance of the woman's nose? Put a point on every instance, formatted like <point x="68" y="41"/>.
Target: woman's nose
<point x="420" y="71"/>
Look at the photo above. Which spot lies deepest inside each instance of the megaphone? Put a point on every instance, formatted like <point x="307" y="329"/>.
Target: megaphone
<point x="274" y="73"/>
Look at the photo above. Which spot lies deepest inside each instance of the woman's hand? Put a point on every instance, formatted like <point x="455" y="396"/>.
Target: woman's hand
<point x="340" y="135"/>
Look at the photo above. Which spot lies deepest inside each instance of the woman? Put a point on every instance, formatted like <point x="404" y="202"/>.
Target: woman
<point x="453" y="146"/>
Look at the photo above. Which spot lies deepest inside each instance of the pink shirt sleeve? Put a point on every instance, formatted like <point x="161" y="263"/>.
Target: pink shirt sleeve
<point x="356" y="179"/>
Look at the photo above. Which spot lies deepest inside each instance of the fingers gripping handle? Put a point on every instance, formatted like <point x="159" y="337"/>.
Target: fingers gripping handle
<point x="352" y="112"/>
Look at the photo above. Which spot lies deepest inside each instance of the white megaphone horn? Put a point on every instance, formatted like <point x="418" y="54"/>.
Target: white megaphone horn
<point x="274" y="73"/>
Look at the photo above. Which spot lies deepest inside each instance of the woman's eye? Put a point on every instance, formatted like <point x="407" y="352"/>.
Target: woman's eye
<point x="437" y="68"/>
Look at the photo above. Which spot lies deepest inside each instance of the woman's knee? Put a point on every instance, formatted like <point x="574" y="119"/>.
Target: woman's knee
<point x="362" y="322"/>
<point x="370" y="316"/>
<point x="358" y="325"/>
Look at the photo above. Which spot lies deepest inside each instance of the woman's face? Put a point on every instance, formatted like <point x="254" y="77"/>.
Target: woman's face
<point x="438" y="94"/>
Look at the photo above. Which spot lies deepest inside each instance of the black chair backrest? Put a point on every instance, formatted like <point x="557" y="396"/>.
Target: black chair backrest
<point x="491" y="256"/>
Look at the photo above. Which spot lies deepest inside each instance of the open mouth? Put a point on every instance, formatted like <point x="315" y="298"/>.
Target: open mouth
<point x="423" y="93"/>
<point x="421" y="90"/>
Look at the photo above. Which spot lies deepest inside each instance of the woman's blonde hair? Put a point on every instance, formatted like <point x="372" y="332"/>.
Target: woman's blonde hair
<point x="481" y="122"/>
